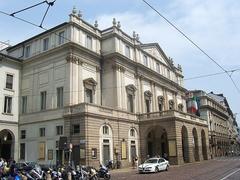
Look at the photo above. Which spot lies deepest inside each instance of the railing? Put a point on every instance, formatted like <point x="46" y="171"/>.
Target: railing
<point x="169" y="114"/>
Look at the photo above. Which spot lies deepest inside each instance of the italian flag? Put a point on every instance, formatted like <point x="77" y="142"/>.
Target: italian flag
<point x="192" y="106"/>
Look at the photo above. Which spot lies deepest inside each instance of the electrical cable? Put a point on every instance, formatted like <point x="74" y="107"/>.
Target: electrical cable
<point x="213" y="74"/>
<point x="192" y="42"/>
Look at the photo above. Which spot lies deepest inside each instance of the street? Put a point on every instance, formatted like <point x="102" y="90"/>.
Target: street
<point x="227" y="168"/>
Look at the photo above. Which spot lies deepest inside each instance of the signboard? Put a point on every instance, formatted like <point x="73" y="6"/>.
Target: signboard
<point x="172" y="148"/>
<point x="41" y="150"/>
<point x="124" y="150"/>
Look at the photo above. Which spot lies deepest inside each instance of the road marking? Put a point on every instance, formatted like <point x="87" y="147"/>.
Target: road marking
<point x="230" y="174"/>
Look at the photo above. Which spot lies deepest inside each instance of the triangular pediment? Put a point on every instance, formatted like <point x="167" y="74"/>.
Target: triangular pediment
<point x="156" y="51"/>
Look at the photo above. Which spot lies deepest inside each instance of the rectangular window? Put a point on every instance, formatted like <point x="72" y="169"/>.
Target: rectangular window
<point x="27" y="51"/>
<point x="24" y="104"/>
<point x="43" y="100"/>
<point x="127" y="51"/>
<point x="8" y="105"/>
<point x="130" y="103"/>
<point x="60" y="97"/>
<point x="61" y="37"/>
<point x="9" y="81"/>
<point x="89" y="42"/>
<point x="23" y="134"/>
<point x="89" y="96"/>
<point x="22" y="151"/>
<point x="42" y="132"/>
<point x="147" y="105"/>
<point x="76" y="129"/>
<point x="168" y="74"/>
<point x="158" y="67"/>
<point x="45" y="44"/>
<point x="145" y="60"/>
<point x="59" y="130"/>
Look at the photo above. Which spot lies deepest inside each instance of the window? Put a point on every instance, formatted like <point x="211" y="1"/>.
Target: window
<point x="127" y="51"/>
<point x="76" y="129"/>
<point x="27" y="51"/>
<point x="89" y="96"/>
<point x="61" y="38"/>
<point x="171" y="104"/>
<point x="160" y="103"/>
<point x="9" y="81"/>
<point x="105" y="130"/>
<point x="89" y="42"/>
<point x="145" y="60"/>
<point x="130" y="103"/>
<point x="23" y="134"/>
<point x="168" y="74"/>
<point x="132" y="133"/>
<point x="158" y="67"/>
<point x="22" y="151"/>
<point x="43" y="100"/>
<point x="8" y="105"/>
<point x="59" y="130"/>
<point x="60" y="97"/>
<point x="147" y="102"/>
<point x="42" y="132"/>
<point x="148" y="98"/>
<point x="45" y="44"/>
<point x="24" y="104"/>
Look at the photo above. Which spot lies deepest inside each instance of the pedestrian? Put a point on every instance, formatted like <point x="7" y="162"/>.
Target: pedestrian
<point x="133" y="162"/>
<point x="136" y="161"/>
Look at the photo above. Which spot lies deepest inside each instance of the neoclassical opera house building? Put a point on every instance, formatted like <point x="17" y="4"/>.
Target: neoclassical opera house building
<point x="107" y="94"/>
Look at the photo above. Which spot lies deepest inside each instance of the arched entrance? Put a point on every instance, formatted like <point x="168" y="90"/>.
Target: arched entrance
<point x="204" y="145"/>
<point x="157" y="142"/>
<point x="6" y="144"/>
<point x="195" y="145"/>
<point x="185" y="145"/>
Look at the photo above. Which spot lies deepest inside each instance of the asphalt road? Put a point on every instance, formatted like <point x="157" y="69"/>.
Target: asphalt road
<point x="217" y="169"/>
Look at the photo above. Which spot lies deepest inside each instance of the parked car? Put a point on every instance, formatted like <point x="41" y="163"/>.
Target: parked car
<point x="153" y="165"/>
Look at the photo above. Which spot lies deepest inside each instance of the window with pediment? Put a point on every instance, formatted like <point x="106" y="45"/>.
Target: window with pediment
<point x="89" y="89"/>
<point x="148" y="100"/>
<point x="130" y="89"/>
<point x="171" y="104"/>
<point x="160" y="103"/>
<point x="180" y="107"/>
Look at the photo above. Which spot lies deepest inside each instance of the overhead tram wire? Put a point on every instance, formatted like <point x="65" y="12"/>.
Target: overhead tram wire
<point x="209" y="75"/>
<point x="192" y="42"/>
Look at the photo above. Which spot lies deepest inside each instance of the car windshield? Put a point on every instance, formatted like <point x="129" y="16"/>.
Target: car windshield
<point x="151" y="161"/>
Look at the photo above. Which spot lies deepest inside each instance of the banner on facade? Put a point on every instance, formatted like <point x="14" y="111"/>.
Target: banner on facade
<point x="124" y="150"/>
<point x="172" y="148"/>
<point x="41" y="150"/>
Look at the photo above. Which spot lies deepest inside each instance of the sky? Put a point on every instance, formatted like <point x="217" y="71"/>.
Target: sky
<point x="213" y="25"/>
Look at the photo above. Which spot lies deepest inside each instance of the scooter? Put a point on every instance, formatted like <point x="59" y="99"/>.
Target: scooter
<point x="103" y="173"/>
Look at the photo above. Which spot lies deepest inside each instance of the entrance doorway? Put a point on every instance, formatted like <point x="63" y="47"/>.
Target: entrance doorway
<point x="157" y="142"/>
<point x="185" y="146"/>
<point x="195" y="145"/>
<point x="204" y="145"/>
<point x="106" y="153"/>
<point x="6" y="144"/>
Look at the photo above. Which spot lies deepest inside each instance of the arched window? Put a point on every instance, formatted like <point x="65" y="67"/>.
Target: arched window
<point x="132" y="133"/>
<point x="105" y="130"/>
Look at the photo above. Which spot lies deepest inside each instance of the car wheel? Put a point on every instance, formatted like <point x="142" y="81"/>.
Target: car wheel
<point x="156" y="169"/>
<point x="167" y="168"/>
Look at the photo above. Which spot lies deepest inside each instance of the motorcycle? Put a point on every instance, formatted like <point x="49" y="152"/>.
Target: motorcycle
<point x="103" y="173"/>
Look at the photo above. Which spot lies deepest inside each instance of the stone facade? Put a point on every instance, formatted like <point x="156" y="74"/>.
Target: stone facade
<point x="9" y="96"/>
<point x="111" y="96"/>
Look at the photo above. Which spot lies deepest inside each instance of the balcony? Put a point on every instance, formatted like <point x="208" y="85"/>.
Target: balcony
<point x="162" y="115"/>
<point x="100" y="111"/>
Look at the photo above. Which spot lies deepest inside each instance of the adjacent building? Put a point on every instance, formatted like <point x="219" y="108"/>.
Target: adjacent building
<point x="91" y="95"/>
<point x="221" y="122"/>
<point x="10" y="69"/>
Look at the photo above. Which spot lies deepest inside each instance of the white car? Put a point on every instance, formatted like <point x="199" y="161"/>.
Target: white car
<point x="154" y="165"/>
